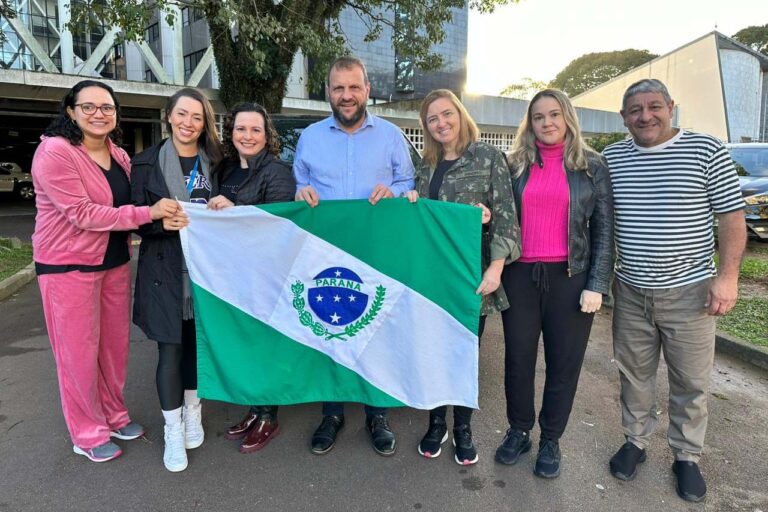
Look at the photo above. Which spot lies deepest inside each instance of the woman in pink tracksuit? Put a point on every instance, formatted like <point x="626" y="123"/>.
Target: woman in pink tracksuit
<point x="81" y="252"/>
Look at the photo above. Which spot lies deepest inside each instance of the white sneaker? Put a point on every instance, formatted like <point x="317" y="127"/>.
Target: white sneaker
<point x="175" y="456"/>
<point x="193" y="426"/>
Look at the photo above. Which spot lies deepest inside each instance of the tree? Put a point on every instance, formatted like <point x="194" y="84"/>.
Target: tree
<point x="594" y="69"/>
<point x="600" y="142"/>
<point x="255" y="41"/>
<point x="7" y="12"/>
<point x="756" y="37"/>
<point x="524" y="90"/>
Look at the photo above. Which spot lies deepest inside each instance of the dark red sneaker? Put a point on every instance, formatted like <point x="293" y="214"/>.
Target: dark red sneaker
<point x="260" y="435"/>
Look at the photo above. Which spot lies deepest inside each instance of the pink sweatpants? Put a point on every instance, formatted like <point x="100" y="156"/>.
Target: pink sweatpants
<point x="87" y="316"/>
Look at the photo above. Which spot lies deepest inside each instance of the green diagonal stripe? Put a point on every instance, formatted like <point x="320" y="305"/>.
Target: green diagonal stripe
<point x="255" y="364"/>
<point x="446" y="236"/>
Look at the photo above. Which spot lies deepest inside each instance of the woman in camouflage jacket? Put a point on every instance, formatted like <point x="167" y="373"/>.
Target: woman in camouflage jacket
<point x="456" y="167"/>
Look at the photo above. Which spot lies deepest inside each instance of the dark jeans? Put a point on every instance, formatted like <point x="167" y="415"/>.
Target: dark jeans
<point x="337" y="409"/>
<point x="543" y="299"/>
<point x="461" y="415"/>
<point x="177" y="368"/>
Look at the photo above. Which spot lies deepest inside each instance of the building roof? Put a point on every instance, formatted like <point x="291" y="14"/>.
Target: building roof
<point x="723" y="42"/>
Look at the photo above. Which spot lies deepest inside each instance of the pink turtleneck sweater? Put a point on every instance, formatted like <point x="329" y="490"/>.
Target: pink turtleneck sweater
<point x="545" y="209"/>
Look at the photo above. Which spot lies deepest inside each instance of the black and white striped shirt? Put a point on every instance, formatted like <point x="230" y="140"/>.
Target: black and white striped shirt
<point x="664" y="198"/>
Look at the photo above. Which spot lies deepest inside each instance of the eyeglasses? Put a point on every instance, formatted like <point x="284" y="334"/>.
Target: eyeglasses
<point x="89" y="108"/>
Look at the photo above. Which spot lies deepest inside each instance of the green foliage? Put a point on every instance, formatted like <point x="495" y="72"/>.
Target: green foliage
<point x="748" y="320"/>
<point x="600" y="142"/>
<point x="756" y="37"/>
<point x="254" y="41"/>
<point x="524" y="90"/>
<point x="593" y="69"/>
<point x="7" y="12"/>
<point x="754" y="268"/>
<point x="12" y="260"/>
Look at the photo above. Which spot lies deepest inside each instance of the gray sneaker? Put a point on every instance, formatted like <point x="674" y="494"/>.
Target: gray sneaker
<point x="129" y="432"/>
<point x="101" y="453"/>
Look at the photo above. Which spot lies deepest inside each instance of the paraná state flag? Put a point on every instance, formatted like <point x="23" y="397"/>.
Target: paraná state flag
<point x="342" y="302"/>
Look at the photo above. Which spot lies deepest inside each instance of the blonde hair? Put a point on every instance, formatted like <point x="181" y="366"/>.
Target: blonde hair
<point x="524" y="152"/>
<point x="468" y="131"/>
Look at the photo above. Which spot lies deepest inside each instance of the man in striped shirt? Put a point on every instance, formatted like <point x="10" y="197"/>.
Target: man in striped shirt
<point x="667" y="183"/>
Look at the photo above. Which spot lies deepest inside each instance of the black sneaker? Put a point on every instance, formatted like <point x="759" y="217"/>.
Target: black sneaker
<point x="548" y="460"/>
<point x="624" y="463"/>
<point x="690" y="484"/>
<point x="466" y="454"/>
<point x="381" y="434"/>
<point x="437" y="434"/>
<point x="516" y="442"/>
<point x="324" y="437"/>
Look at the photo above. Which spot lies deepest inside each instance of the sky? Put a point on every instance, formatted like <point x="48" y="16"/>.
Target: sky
<point x="538" y="38"/>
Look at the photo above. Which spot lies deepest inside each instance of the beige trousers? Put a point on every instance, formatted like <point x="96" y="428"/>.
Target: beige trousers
<point x="674" y="320"/>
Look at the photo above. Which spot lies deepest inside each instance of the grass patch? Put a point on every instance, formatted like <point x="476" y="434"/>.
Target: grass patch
<point x="748" y="321"/>
<point x="753" y="268"/>
<point x="13" y="260"/>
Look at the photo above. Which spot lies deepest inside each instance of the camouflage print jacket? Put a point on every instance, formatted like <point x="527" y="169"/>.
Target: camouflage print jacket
<point x="481" y="175"/>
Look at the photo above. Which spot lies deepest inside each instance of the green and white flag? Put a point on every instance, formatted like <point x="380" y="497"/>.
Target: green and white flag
<point x="342" y="302"/>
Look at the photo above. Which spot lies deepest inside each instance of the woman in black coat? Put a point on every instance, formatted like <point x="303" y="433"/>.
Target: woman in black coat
<point x="251" y="174"/>
<point x="176" y="168"/>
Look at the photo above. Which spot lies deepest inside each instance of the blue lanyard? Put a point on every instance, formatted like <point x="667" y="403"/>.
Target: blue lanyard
<point x="193" y="176"/>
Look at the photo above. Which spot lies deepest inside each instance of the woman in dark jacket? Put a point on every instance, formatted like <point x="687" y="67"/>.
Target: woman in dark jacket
<point x="251" y="174"/>
<point x="176" y="168"/>
<point x="563" y="194"/>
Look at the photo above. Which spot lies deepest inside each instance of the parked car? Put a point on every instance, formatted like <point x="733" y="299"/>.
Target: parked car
<point x="14" y="180"/>
<point x="751" y="161"/>
<point x="289" y="128"/>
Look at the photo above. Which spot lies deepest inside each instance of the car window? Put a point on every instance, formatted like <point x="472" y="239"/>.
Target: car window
<point x="750" y="161"/>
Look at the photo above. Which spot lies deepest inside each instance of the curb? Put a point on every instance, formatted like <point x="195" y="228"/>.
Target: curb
<point x="742" y="350"/>
<point x="11" y="285"/>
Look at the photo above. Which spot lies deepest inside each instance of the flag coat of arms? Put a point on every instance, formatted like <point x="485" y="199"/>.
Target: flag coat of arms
<point x="342" y="302"/>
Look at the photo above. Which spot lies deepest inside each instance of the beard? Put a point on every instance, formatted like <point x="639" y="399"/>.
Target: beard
<point x="352" y="120"/>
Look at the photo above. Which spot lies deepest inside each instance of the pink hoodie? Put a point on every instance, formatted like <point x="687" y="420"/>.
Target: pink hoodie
<point x="74" y="204"/>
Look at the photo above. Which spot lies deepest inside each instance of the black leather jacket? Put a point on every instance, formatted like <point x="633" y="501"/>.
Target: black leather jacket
<point x="269" y="180"/>
<point x="590" y="222"/>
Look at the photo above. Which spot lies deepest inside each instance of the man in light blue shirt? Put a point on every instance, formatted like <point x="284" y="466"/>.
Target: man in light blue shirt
<point x="351" y="155"/>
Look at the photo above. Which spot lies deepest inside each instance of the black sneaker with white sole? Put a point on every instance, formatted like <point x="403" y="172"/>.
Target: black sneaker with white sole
<point x="436" y="435"/>
<point x="466" y="453"/>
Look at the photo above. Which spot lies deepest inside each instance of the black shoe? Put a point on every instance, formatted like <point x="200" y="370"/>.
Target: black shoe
<point x="516" y="442"/>
<point x="325" y="436"/>
<point x="466" y="454"/>
<point x="381" y="434"/>
<point x="548" y="460"/>
<point x="437" y="434"/>
<point x="690" y="484"/>
<point x="624" y="463"/>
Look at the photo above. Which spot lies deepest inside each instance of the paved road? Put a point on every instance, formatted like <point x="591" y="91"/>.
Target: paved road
<point x="17" y="218"/>
<point x="38" y="470"/>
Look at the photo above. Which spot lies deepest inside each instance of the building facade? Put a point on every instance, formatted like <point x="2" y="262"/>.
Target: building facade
<point x="40" y="60"/>
<point x="719" y="86"/>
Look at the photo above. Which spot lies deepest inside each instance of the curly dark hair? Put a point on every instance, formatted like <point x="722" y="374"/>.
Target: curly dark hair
<point x="65" y="126"/>
<point x="273" y="141"/>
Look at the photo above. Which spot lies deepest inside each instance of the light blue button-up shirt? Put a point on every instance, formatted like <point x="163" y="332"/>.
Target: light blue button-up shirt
<point x="341" y="165"/>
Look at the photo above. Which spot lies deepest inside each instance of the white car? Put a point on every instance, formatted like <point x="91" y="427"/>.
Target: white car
<point x="14" y="180"/>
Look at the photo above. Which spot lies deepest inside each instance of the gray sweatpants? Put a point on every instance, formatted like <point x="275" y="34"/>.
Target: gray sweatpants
<point x="674" y="320"/>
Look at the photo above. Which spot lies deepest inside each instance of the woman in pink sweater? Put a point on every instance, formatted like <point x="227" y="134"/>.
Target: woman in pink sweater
<point x="563" y="195"/>
<point x="81" y="253"/>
